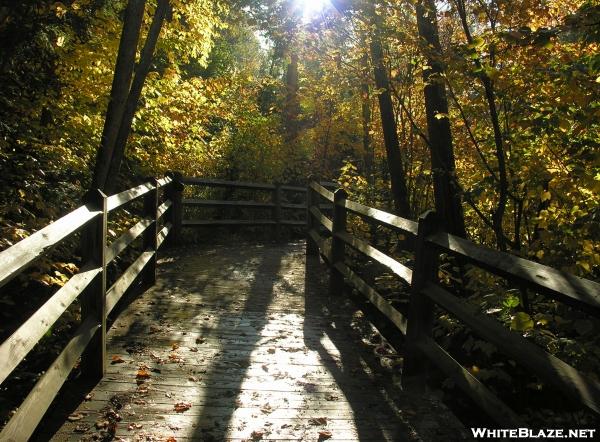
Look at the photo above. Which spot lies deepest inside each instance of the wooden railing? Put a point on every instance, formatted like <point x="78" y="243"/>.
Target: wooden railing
<point x="329" y="237"/>
<point x="90" y="283"/>
<point x="272" y="198"/>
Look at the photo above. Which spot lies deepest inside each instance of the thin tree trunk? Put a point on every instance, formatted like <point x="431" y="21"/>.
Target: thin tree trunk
<point x="368" y="154"/>
<point x="446" y="190"/>
<point x="137" y="85"/>
<point x="120" y="89"/>
<point x="490" y="95"/>
<point x="291" y="110"/>
<point x="388" y="120"/>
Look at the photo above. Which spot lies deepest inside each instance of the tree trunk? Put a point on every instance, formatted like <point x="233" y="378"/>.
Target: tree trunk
<point x="388" y="120"/>
<point x="445" y="183"/>
<point x="368" y="153"/>
<point x="490" y="95"/>
<point x="141" y="73"/>
<point x="120" y="90"/>
<point x="291" y="111"/>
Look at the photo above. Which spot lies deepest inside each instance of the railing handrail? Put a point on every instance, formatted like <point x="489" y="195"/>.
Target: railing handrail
<point x="277" y="205"/>
<point x="429" y="242"/>
<point x="89" y="283"/>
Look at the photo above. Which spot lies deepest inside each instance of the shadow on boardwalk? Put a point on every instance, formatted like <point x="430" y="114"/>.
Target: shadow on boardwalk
<point x="242" y="343"/>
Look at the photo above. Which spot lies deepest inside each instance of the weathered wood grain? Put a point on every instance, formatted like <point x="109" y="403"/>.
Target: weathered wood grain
<point x="20" y="343"/>
<point x="561" y="285"/>
<point x="20" y="256"/>
<point x="371" y="252"/>
<point x="546" y="366"/>
<point x="120" y="199"/>
<point x="395" y="222"/>
<point x="245" y="336"/>
<point x="120" y="244"/>
<point x="23" y="423"/>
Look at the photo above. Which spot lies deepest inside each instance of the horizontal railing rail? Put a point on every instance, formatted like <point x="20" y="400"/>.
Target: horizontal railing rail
<point x="275" y="204"/>
<point x="329" y="237"/>
<point x="88" y="284"/>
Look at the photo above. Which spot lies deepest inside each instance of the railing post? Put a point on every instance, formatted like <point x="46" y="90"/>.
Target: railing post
<point x="176" y="216"/>
<point x="277" y="211"/>
<point x="93" y="299"/>
<point x="420" y="316"/>
<point x="150" y="242"/>
<point x="336" y="282"/>
<point x="311" y="199"/>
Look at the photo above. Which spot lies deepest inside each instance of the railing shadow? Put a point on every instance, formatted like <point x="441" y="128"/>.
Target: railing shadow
<point x="371" y="405"/>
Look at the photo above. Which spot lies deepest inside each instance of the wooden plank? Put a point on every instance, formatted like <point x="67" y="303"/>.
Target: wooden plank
<point x="17" y="258"/>
<point x="227" y="222"/>
<point x="394" y="222"/>
<point x="125" y="197"/>
<point x="322" y="191"/>
<point x="164" y="181"/>
<point x="20" y="343"/>
<point x="319" y="216"/>
<point x="31" y="411"/>
<point x="294" y="206"/>
<point x="223" y="183"/>
<point x="293" y="222"/>
<point x="117" y="246"/>
<point x="175" y="193"/>
<point x="478" y="392"/>
<point x="93" y="299"/>
<point x="368" y="250"/>
<point x="116" y="291"/>
<point x="162" y="209"/>
<point x="324" y="245"/>
<point x="371" y="294"/>
<point x="548" y="367"/>
<point x="288" y="188"/>
<point x="162" y="234"/>
<point x="420" y="308"/>
<point x="338" y="246"/>
<point x="560" y="285"/>
<point x="218" y="203"/>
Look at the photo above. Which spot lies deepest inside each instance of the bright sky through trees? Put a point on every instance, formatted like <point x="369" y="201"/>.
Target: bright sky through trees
<point x="311" y="8"/>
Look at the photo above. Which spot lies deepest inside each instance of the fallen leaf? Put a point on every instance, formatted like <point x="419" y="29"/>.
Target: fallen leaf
<point x="180" y="407"/>
<point x="75" y="417"/>
<point x="318" y="421"/>
<point x="116" y="359"/>
<point x="101" y="424"/>
<point x="81" y="428"/>
<point x="88" y="397"/>
<point x="200" y="340"/>
<point x="142" y="373"/>
<point x="194" y="349"/>
<point x="171" y="439"/>
<point x="323" y="435"/>
<point x="193" y="379"/>
<point x="174" y="357"/>
<point x="257" y="435"/>
<point x="174" y="345"/>
<point x="271" y="350"/>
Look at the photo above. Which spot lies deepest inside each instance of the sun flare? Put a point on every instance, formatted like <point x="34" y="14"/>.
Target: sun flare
<point x="311" y="8"/>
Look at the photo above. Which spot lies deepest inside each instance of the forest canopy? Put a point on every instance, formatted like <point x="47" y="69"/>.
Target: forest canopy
<point x="289" y="90"/>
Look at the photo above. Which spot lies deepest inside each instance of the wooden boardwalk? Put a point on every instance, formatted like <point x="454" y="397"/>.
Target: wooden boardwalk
<point x="243" y="343"/>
